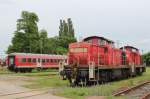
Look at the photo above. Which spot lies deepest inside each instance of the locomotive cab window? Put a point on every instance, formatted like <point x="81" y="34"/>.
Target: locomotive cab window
<point x="133" y="50"/>
<point x="101" y="42"/>
<point x="89" y="41"/>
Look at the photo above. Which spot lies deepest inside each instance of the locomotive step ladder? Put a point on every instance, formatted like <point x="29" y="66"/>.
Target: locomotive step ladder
<point x="92" y="71"/>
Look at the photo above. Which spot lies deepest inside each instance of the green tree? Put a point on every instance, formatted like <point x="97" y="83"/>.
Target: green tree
<point x="61" y="28"/>
<point x="66" y="28"/>
<point x="26" y="38"/>
<point x="44" y="42"/>
<point x="66" y="34"/>
<point x="146" y="58"/>
<point x="70" y="28"/>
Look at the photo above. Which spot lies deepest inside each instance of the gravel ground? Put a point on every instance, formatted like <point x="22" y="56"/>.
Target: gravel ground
<point x="12" y="84"/>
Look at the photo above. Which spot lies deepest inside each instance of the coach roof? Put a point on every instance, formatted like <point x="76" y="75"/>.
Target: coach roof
<point x="36" y="54"/>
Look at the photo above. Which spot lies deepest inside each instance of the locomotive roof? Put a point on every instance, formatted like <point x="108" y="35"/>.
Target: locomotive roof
<point x="130" y="47"/>
<point x="91" y="37"/>
<point x="36" y="54"/>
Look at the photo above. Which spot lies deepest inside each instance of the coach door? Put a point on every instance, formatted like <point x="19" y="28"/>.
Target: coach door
<point x="11" y="60"/>
<point x="39" y="63"/>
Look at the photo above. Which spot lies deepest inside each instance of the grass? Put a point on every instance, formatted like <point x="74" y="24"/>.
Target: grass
<point x="61" y="88"/>
<point x="3" y="70"/>
<point x="50" y="79"/>
<point x="47" y="82"/>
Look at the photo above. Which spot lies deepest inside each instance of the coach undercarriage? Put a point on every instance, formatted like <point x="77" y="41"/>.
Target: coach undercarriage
<point x="13" y="68"/>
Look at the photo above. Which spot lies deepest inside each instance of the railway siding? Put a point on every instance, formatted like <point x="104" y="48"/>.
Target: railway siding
<point x="140" y="91"/>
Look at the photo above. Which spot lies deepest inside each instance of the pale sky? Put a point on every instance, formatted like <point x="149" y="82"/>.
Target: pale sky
<point x="126" y="21"/>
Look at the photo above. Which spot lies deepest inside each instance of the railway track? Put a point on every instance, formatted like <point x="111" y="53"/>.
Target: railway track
<point x="141" y="91"/>
<point x="24" y="94"/>
<point x="146" y="96"/>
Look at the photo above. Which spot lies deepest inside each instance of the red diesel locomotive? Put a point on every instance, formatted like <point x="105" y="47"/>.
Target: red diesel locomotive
<point x="96" y="60"/>
<point x="25" y="62"/>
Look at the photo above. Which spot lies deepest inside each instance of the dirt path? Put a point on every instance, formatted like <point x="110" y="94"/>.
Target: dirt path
<point x="13" y="84"/>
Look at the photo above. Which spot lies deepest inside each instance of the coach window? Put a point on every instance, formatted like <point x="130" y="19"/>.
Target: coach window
<point x="29" y="60"/>
<point x="19" y="60"/>
<point x="51" y="60"/>
<point x="34" y="60"/>
<point x="61" y="60"/>
<point x="43" y="60"/>
<point x="23" y="60"/>
<point x="47" y="60"/>
<point x="55" y="60"/>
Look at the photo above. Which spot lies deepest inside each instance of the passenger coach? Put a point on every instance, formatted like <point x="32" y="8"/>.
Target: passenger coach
<point x="25" y="62"/>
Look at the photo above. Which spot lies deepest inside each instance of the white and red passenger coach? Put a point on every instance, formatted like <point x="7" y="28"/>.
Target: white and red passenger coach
<point x="25" y="62"/>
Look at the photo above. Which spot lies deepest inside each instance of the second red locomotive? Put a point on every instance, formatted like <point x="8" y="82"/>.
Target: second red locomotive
<point x="96" y="60"/>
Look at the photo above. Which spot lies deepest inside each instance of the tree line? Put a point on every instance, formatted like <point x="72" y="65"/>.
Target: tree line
<point x="29" y="39"/>
<point x="146" y="58"/>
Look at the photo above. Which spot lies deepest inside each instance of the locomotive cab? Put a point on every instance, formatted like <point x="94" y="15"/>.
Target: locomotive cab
<point x="132" y="55"/>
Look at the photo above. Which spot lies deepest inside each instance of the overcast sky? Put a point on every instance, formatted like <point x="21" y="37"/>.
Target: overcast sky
<point x="127" y="21"/>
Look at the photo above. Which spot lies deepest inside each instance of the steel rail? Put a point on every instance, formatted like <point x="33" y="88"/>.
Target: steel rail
<point x="7" y="94"/>
<point x="146" y="96"/>
<point x="130" y="89"/>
